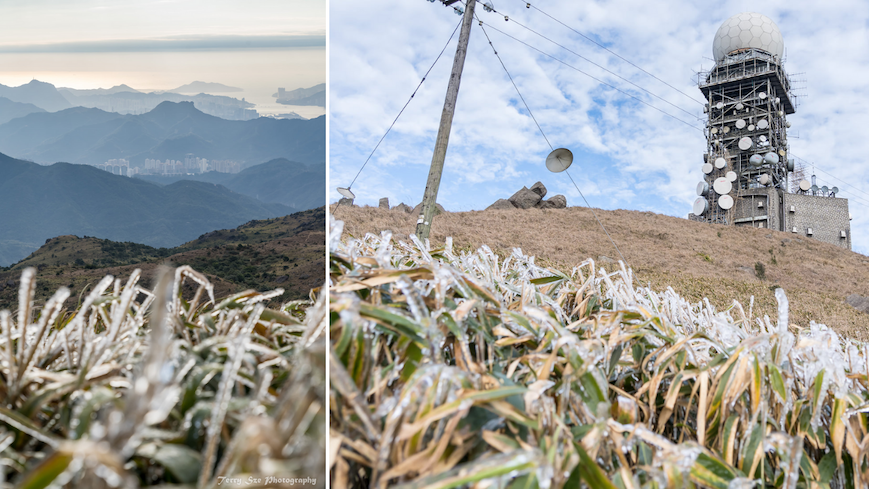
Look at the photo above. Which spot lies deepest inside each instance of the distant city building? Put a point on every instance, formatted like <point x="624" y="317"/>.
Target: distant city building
<point x="119" y="167"/>
<point x="190" y="166"/>
<point x="225" y="166"/>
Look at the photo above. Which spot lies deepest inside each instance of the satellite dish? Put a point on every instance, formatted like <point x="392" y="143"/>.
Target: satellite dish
<point x="739" y="106"/>
<point x="731" y="175"/>
<point x="726" y="129"/>
<point x="762" y="138"/>
<point x="725" y="202"/>
<point x="770" y="158"/>
<point x="805" y="185"/>
<point x="756" y="160"/>
<point x="745" y="143"/>
<point x="825" y="189"/>
<point x="702" y="189"/>
<point x="788" y="124"/>
<point x="835" y="190"/>
<point x="761" y="95"/>
<point x="719" y="105"/>
<point x="740" y="123"/>
<point x="559" y="160"/>
<point x="720" y="163"/>
<point x="762" y="124"/>
<point x="814" y="188"/>
<point x="751" y="127"/>
<point x="722" y="186"/>
<point x="790" y="164"/>
<point x="707" y="168"/>
<point x="777" y="100"/>
<point x="781" y="113"/>
<point x="765" y="179"/>
<point x="345" y="192"/>
<point x="714" y="130"/>
<point x="700" y="206"/>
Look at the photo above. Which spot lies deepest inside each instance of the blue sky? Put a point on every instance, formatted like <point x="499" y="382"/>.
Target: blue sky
<point x="627" y="154"/>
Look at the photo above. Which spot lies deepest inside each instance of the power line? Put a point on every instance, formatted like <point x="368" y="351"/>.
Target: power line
<point x="595" y="79"/>
<point x="405" y="105"/>
<point x="507" y="17"/>
<point x="550" y="144"/>
<point x="528" y="5"/>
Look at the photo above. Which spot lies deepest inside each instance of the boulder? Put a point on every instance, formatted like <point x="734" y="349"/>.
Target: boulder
<point x="501" y="204"/>
<point x="858" y="302"/>
<point x="525" y="198"/>
<point x="384" y="203"/>
<point x="555" y="202"/>
<point x="539" y="189"/>
<point x="345" y="201"/>
<point x="403" y="208"/>
<point x="416" y="210"/>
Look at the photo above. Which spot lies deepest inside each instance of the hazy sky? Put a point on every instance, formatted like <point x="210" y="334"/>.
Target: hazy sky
<point x="628" y="155"/>
<point x="35" y="22"/>
<point x="159" y="45"/>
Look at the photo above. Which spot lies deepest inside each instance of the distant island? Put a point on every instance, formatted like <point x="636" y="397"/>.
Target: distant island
<point x="315" y="95"/>
<point x="205" y="87"/>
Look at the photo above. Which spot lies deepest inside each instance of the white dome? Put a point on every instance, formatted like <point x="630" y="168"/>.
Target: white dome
<point x="747" y="30"/>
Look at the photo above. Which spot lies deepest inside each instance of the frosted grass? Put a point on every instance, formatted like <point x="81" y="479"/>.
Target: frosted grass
<point x="470" y="369"/>
<point x="140" y="387"/>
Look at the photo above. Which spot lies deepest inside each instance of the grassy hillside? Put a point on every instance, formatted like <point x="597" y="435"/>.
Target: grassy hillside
<point x="698" y="260"/>
<point x="286" y="252"/>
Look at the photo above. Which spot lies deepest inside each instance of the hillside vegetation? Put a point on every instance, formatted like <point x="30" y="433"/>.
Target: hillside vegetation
<point x="698" y="261"/>
<point x="286" y="252"/>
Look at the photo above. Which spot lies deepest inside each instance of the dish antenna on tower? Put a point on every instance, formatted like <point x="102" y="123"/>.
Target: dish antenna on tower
<point x="559" y="160"/>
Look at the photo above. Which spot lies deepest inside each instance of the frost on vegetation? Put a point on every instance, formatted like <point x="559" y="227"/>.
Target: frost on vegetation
<point x="469" y="369"/>
<point x="139" y="387"/>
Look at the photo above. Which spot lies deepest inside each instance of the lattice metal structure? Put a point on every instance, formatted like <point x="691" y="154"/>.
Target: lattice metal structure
<point x="748" y="96"/>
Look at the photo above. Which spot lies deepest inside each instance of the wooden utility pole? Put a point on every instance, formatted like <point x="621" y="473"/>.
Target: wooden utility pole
<point x="429" y="199"/>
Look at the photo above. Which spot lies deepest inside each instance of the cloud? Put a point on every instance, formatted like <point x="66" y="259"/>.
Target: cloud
<point x="628" y="154"/>
<point x="177" y="44"/>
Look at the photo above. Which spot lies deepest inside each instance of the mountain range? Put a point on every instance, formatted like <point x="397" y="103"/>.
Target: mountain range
<point x="123" y="99"/>
<point x="277" y="181"/>
<point x="42" y="202"/>
<point x="170" y="131"/>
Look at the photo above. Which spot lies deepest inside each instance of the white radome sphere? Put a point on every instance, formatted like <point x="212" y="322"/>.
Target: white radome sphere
<point x="747" y="30"/>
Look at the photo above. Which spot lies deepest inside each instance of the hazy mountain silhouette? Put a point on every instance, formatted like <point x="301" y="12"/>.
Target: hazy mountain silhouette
<point x="280" y="181"/>
<point x="205" y="87"/>
<point x="71" y="93"/>
<point x="41" y="202"/>
<point x="315" y="95"/>
<point x="12" y="110"/>
<point x="40" y="94"/>
<point x="170" y="131"/>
